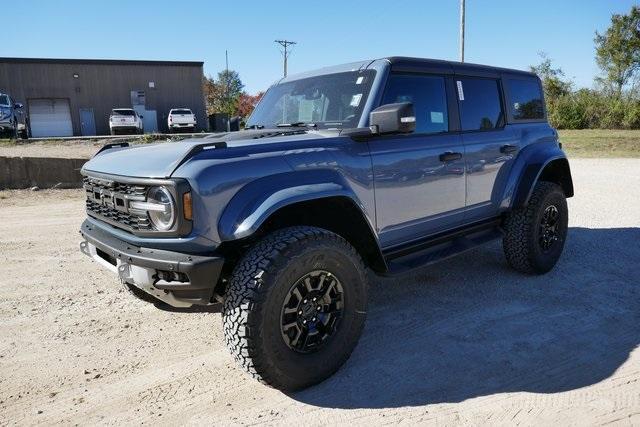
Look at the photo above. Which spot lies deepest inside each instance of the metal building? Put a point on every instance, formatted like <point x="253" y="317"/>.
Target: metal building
<point x="65" y="97"/>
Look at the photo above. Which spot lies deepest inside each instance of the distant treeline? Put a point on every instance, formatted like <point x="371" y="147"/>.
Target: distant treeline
<point x="614" y="102"/>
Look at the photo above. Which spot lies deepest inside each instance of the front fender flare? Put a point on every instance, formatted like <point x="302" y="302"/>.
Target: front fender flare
<point x="256" y="201"/>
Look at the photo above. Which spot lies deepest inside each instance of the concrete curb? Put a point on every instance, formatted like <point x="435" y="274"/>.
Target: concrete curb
<point x="42" y="172"/>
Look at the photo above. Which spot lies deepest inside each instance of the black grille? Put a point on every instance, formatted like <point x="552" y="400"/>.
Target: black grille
<point x="109" y="201"/>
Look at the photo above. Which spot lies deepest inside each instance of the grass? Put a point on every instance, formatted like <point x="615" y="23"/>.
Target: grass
<point x="601" y="143"/>
<point x="576" y="143"/>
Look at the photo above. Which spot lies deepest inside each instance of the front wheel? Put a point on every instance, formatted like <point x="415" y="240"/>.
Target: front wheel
<point x="295" y="307"/>
<point x="535" y="234"/>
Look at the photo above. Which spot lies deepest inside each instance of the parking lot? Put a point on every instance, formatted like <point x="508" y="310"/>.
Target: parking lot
<point x="467" y="341"/>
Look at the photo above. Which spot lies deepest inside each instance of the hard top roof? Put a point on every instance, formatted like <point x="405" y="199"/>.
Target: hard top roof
<point x="416" y="64"/>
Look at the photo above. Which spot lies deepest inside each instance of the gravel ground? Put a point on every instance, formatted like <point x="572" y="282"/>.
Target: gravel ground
<point x="467" y="341"/>
<point x="77" y="149"/>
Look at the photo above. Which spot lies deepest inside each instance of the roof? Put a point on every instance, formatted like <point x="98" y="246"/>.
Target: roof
<point x="99" y="62"/>
<point x="404" y="62"/>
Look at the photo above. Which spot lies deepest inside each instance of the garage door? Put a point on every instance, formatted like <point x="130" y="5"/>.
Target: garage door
<point x="50" y="117"/>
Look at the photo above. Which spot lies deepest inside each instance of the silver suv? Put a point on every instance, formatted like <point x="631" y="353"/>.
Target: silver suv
<point x="13" y="120"/>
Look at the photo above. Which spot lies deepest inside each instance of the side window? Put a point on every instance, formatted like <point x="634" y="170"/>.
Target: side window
<point x="479" y="101"/>
<point x="525" y="99"/>
<point x="429" y="98"/>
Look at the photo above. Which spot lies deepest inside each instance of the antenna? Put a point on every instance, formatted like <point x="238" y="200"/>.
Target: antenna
<point x="285" y="44"/>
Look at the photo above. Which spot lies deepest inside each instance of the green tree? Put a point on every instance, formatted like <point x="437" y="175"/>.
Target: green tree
<point x="552" y="78"/>
<point x="222" y="94"/>
<point x="618" y="49"/>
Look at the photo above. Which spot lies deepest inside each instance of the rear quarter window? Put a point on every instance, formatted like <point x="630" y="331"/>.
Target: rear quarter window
<point x="525" y="99"/>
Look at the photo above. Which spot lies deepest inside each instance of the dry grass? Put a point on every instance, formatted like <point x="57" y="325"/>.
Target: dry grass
<point x="601" y="143"/>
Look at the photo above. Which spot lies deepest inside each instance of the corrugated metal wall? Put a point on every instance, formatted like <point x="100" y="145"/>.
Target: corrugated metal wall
<point x="103" y="85"/>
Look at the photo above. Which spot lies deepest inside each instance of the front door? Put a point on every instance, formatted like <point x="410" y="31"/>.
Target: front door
<point x="419" y="177"/>
<point x="87" y="122"/>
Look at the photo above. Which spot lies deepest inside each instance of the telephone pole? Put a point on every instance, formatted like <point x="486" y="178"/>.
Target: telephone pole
<point x="461" y="30"/>
<point x="285" y="44"/>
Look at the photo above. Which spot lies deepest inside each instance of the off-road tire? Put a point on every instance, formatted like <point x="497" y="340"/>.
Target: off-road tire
<point x="522" y="231"/>
<point x="257" y="290"/>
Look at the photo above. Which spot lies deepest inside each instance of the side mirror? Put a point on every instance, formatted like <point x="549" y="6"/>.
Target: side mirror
<point x="18" y="105"/>
<point x="142" y="117"/>
<point x="393" y="118"/>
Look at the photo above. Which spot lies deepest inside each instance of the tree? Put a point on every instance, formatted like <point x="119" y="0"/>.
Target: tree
<point x="552" y="78"/>
<point x="618" y="49"/>
<point x="222" y="95"/>
<point x="246" y="104"/>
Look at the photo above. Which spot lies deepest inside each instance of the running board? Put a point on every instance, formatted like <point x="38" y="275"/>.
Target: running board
<point x="440" y="248"/>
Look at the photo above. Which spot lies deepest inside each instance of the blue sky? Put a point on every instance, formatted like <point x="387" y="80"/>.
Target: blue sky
<point x="499" y="32"/>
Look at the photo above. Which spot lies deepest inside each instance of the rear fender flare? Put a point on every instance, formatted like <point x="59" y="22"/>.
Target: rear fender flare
<point x="530" y="167"/>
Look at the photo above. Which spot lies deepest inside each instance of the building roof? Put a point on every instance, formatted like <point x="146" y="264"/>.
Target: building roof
<point x="99" y="62"/>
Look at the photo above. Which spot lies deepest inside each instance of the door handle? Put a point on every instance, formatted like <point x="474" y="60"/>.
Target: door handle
<point x="508" y="148"/>
<point x="450" y="156"/>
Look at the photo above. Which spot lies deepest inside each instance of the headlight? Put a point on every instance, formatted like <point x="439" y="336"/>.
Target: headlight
<point x="161" y="208"/>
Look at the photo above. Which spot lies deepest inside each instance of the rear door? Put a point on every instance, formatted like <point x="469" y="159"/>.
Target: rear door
<point x="419" y="177"/>
<point x="490" y="146"/>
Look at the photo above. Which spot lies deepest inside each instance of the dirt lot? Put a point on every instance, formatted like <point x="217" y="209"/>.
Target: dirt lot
<point x="465" y="342"/>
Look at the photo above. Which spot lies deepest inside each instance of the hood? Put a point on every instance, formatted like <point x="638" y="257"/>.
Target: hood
<point x="161" y="160"/>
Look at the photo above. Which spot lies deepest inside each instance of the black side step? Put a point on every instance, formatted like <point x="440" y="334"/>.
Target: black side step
<point x="437" y="248"/>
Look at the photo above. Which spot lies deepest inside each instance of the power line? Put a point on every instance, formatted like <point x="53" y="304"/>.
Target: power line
<point x="285" y="44"/>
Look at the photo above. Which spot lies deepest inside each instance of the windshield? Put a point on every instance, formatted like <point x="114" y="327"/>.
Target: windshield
<point x="328" y="101"/>
<point x="181" y="112"/>
<point x="123" y="113"/>
<point x="4" y="101"/>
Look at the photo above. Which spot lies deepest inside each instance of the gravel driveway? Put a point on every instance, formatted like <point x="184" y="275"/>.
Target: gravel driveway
<point x="467" y="341"/>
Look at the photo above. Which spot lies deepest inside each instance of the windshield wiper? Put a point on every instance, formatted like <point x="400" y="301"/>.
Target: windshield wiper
<point x="254" y="127"/>
<point x="296" y="125"/>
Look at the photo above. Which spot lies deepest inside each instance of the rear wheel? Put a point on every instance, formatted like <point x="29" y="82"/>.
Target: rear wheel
<point x="535" y="234"/>
<point x="295" y="307"/>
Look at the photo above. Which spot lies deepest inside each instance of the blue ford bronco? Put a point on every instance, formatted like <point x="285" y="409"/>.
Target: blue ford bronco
<point x="384" y="165"/>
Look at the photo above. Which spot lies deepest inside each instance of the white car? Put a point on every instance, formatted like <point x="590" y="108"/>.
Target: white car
<point x="125" y="121"/>
<point x="181" y="119"/>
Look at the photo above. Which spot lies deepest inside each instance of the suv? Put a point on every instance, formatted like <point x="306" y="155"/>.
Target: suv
<point x="13" y="120"/>
<point x="387" y="165"/>
<point x="181" y="119"/>
<point x="126" y="121"/>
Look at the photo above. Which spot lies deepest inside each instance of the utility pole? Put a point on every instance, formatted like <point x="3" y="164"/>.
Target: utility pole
<point x="226" y="60"/>
<point x="461" y="30"/>
<point x="285" y="44"/>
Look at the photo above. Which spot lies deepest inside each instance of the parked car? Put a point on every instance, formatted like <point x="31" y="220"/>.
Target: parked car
<point x="369" y="165"/>
<point x="13" y="119"/>
<point x="125" y="121"/>
<point x="181" y="119"/>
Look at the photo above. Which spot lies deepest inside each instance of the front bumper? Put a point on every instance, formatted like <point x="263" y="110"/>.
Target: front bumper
<point x="180" y="280"/>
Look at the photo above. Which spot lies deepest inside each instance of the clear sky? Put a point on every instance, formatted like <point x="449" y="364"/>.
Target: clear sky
<point x="506" y="33"/>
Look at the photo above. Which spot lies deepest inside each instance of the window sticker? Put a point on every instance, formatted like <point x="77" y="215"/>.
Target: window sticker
<point x="355" y="100"/>
<point x="437" y="117"/>
<point x="359" y="80"/>
<point x="460" y="91"/>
